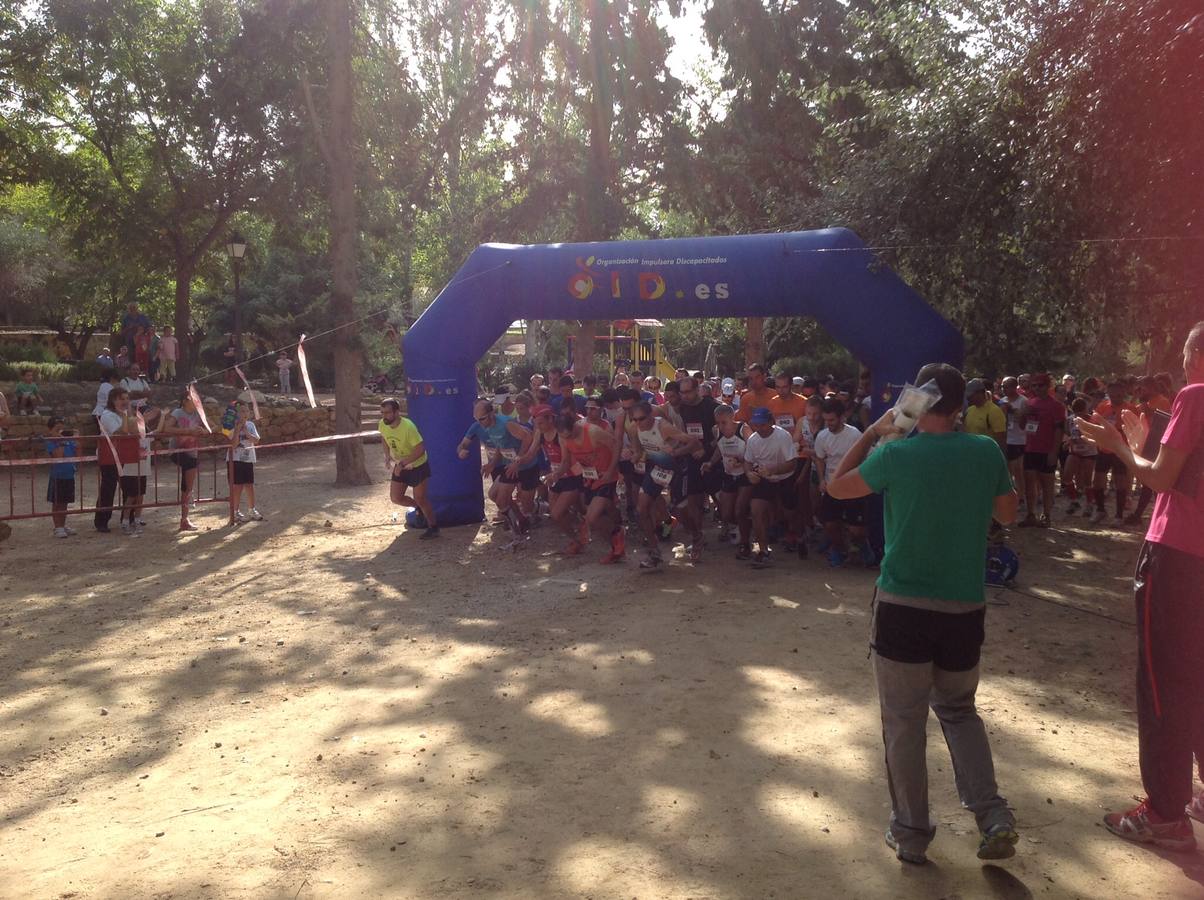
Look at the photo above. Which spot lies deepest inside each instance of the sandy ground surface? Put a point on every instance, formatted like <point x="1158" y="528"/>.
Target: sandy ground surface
<point x="295" y="710"/>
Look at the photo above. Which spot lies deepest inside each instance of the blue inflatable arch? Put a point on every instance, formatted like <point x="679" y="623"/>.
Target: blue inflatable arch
<point x="828" y="275"/>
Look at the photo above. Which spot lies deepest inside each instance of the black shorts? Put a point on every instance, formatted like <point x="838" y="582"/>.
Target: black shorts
<point x="1015" y="451"/>
<point x="1039" y="462"/>
<point x="568" y="483"/>
<point x="133" y="485"/>
<point x="771" y="491"/>
<point x="413" y="477"/>
<point x="185" y="461"/>
<point x="950" y="641"/>
<point x="60" y="490"/>
<point x="700" y="483"/>
<point x="606" y="491"/>
<point x="677" y="487"/>
<point x="242" y="473"/>
<point x="1110" y="462"/>
<point x="627" y="470"/>
<point x="850" y="512"/>
<point x="527" y="479"/>
<point x="732" y="483"/>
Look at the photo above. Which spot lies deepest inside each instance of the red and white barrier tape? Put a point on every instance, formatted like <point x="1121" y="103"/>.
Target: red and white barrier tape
<point x="309" y="388"/>
<point x="199" y="406"/>
<point x="52" y="460"/>
<point x="254" y="402"/>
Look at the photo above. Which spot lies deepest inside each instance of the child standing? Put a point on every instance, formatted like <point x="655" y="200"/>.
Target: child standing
<point x="284" y="367"/>
<point x="27" y="394"/>
<point x="241" y="461"/>
<point x="168" y="349"/>
<point x="60" y="488"/>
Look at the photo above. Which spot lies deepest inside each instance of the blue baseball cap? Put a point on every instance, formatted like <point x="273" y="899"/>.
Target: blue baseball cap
<point x="761" y="416"/>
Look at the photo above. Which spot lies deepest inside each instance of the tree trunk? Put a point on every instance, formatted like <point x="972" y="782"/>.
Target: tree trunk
<point x="583" y="349"/>
<point x="187" y="357"/>
<point x="348" y="355"/>
<point x="754" y="341"/>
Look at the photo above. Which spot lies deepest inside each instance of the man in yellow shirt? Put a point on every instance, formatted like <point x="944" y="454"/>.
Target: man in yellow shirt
<point x="982" y="416"/>
<point x="406" y="460"/>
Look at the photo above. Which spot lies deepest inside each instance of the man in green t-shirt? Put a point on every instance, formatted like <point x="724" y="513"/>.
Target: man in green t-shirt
<point x="406" y="460"/>
<point x="941" y="488"/>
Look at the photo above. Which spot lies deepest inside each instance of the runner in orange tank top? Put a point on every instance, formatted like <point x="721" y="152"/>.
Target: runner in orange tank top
<point x="592" y="452"/>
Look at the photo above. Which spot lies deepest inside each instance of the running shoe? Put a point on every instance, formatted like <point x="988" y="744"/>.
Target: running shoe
<point x="835" y="558"/>
<point x="695" y="552"/>
<point x="61" y="533"/>
<point x="651" y="561"/>
<point x="998" y="842"/>
<point x="240" y="516"/>
<point x="743" y="551"/>
<point x="256" y="515"/>
<point x="618" y="546"/>
<point x="1043" y="522"/>
<point x="907" y="856"/>
<point x="140" y="522"/>
<point x="1142" y="825"/>
<point x="666" y="528"/>
<point x="70" y="531"/>
<point x="760" y="560"/>
<point x="125" y="527"/>
<point x="184" y="526"/>
<point x="431" y="532"/>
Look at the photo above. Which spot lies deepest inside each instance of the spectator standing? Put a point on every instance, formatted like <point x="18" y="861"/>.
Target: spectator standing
<point x="1013" y="404"/>
<point x="836" y="514"/>
<point x="183" y="426"/>
<point x="121" y="429"/>
<point x="60" y="488"/>
<point x="284" y="367"/>
<point x="131" y="321"/>
<point x="1111" y="409"/>
<point x="169" y="350"/>
<point x="142" y="346"/>
<point x="941" y="489"/>
<point x="137" y="387"/>
<point x="1169" y="590"/>
<point x="108" y="380"/>
<point x="241" y="459"/>
<point x="105" y="358"/>
<point x="152" y="370"/>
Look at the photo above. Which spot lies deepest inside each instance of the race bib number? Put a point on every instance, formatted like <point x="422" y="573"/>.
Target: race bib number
<point x="640" y="467"/>
<point x="662" y="476"/>
<point x="694" y="429"/>
<point x="511" y="455"/>
<point x="589" y="473"/>
<point x="1032" y="427"/>
<point x="786" y="422"/>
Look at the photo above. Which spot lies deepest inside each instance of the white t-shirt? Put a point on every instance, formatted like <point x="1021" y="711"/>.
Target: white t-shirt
<point x="832" y="448"/>
<point x="135" y="384"/>
<point x="773" y="450"/>
<point x="102" y="397"/>
<point x="1016" y="433"/>
<point x="245" y="451"/>
<point x="110" y="421"/>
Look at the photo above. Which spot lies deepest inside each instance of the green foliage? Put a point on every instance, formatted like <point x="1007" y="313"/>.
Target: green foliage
<point x="33" y="353"/>
<point x="42" y="371"/>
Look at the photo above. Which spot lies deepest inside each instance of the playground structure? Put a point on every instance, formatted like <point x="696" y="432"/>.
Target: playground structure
<point x="633" y="344"/>
<point x="829" y="275"/>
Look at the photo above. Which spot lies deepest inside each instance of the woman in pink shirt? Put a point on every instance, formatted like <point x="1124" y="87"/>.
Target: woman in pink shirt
<point x="1170" y="611"/>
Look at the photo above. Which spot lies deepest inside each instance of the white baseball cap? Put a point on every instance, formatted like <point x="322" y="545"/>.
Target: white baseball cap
<point x="797" y="381"/>
<point x="728" y="387"/>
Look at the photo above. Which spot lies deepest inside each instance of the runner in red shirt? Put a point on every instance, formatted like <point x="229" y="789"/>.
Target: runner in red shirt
<point x="1169" y="584"/>
<point x="592" y="452"/>
<point x="1044" y="420"/>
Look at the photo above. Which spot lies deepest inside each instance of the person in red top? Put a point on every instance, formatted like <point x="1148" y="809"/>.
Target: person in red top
<point x="1169" y="586"/>
<point x="592" y="452"/>
<point x="1044" y="421"/>
<point x="142" y="345"/>
<point x="1111" y="408"/>
<point x="565" y="491"/>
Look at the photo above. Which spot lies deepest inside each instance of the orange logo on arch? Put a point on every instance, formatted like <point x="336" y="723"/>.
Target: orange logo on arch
<point x="581" y="285"/>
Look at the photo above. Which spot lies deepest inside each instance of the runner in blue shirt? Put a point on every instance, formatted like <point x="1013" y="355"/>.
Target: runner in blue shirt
<point x="506" y="440"/>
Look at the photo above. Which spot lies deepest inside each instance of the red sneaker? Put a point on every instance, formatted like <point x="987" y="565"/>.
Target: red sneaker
<point x="1143" y="825"/>
<point x="618" y="547"/>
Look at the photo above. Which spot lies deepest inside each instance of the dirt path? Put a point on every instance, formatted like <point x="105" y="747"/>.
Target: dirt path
<point x="295" y="710"/>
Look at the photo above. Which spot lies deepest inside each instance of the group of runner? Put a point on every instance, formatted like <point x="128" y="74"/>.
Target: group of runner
<point x="594" y="461"/>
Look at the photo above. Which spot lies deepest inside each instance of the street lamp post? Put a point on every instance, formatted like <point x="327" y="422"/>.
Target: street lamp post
<point x="236" y="248"/>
